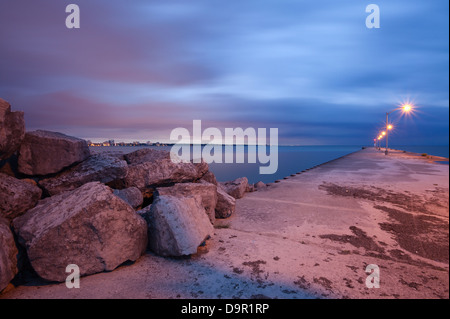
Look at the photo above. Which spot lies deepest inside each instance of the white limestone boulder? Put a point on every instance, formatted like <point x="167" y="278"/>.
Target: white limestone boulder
<point x="204" y="192"/>
<point x="177" y="226"/>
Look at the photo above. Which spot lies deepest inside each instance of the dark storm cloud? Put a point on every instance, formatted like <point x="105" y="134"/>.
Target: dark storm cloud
<point x="312" y="69"/>
<point x="105" y="49"/>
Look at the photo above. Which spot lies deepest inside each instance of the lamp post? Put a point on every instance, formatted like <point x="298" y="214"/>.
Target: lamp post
<point x="379" y="141"/>
<point x="405" y="108"/>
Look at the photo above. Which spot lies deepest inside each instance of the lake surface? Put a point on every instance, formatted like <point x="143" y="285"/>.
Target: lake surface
<point x="430" y="150"/>
<point x="291" y="159"/>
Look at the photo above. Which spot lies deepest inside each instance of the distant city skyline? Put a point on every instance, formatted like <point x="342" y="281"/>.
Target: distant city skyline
<point x="136" y="71"/>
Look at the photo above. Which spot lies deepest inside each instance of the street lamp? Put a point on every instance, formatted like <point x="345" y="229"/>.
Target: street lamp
<point x="406" y="108"/>
<point x="379" y="141"/>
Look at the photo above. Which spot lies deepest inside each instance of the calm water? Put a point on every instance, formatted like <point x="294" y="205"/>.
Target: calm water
<point x="430" y="150"/>
<point x="291" y="159"/>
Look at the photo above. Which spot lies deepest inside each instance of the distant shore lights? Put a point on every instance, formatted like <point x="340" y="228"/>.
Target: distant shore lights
<point x="207" y="146"/>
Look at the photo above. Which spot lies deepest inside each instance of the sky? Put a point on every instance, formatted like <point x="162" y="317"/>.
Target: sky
<point x="138" y="69"/>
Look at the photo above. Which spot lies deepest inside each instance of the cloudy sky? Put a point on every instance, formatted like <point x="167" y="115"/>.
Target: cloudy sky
<point x="137" y="69"/>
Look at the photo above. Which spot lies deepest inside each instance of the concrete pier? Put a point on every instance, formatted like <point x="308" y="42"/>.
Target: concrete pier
<point x="311" y="235"/>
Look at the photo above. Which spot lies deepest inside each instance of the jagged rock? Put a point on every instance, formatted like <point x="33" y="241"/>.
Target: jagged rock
<point x="226" y="204"/>
<point x="236" y="188"/>
<point x="132" y="196"/>
<point x="97" y="168"/>
<point x="177" y="226"/>
<point x="29" y="181"/>
<point x="117" y="154"/>
<point x="12" y="130"/>
<point x="43" y="152"/>
<point x="17" y="196"/>
<point x="144" y="211"/>
<point x="202" y="169"/>
<point x="7" y="169"/>
<point x="210" y="178"/>
<point x="146" y="155"/>
<point x="205" y="193"/>
<point x="8" y="254"/>
<point x="89" y="227"/>
<point x="148" y="167"/>
<point x="260" y="185"/>
<point x="9" y="166"/>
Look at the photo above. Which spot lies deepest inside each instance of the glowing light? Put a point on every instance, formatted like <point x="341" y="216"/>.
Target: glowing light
<point x="390" y="127"/>
<point x="383" y="133"/>
<point x="407" y="108"/>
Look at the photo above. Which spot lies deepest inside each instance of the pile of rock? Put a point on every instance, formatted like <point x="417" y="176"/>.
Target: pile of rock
<point x="65" y="206"/>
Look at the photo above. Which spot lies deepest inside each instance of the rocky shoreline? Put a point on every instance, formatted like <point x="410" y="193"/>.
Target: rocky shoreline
<point x="61" y="205"/>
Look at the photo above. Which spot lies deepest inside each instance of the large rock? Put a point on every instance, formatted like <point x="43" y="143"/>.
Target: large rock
<point x="226" y="204"/>
<point x="209" y="177"/>
<point x="144" y="211"/>
<point x="260" y="185"/>
<point x="177" y="226"/>
<point x="89" y="227"/>
<point x="202" y="169"/>
<point x="12" y="130"/>
<point x="6" y="168"/>
<point x="17" y="196"/>
<point x="8" y="254"/>
<point x="43" y="152"/>
<point x="236" y="188"/>
<point x="204" y="192"/>
<point x="97" y="168"/>
<point x="148" y="167"/>
<point x="132" y="196"/>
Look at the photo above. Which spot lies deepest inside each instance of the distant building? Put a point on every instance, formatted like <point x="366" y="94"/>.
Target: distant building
<point x="114" y="143"/>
